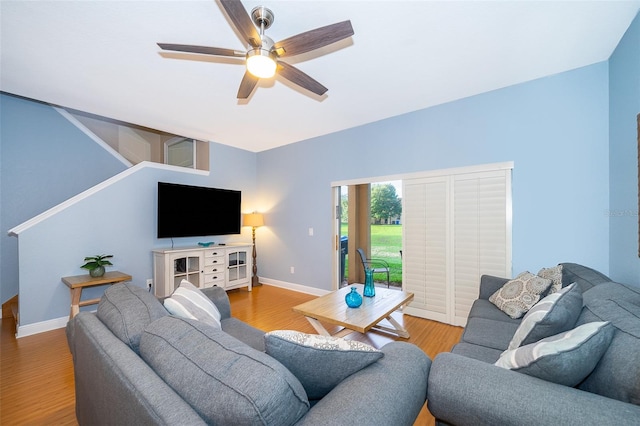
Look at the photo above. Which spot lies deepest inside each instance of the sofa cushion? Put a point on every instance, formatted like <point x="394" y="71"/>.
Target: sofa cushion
<point x="617" y="375"/>
<point x="319" y="362"/>
<point x="224" y="380"/>
<point x="519" y="295"/>
<point x="555" y="275"/>
<point x="481" y="353"/>
<point x="566" y="358"/>
<point x="489" y="333"/>
<point x="554" y="314"/>
<point x="611" y="291"/>
<point x="187" y="301"/>
<point x="244" y="332"/>
<point x="127" y="309"/>
<point x="482" y="308"/>
<point x="585" y="277"/>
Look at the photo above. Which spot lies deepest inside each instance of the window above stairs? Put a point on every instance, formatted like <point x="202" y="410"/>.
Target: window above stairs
<point x="137" y="143"/>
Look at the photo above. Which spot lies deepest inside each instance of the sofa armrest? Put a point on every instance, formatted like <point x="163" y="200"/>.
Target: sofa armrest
<point x="391" y="391"/>
<point x="219" y="298"/>
<point x="465" y="391"/>
<point x="114" y="386"/>
<point x="489" y="285"/>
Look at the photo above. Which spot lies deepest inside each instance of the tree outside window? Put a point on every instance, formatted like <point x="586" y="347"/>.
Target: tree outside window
<point x="386" y="206"/>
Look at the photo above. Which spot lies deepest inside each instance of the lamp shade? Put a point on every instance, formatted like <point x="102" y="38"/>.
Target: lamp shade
<point x="253" y="219"/>
<point x="261" y="63"/>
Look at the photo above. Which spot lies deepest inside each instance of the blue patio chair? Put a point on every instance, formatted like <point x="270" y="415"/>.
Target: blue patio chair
<point x="378" y="266"/>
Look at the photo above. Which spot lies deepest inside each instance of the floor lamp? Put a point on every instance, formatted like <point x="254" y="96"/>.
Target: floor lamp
<point x="253" y="220"/>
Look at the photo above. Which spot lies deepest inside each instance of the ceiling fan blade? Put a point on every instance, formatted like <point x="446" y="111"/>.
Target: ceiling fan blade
<point x="248" y="83"/>
<point x="314" y="39"/>
<point x="200" y="49"/>
<point x="242" y="21"/>
<point x="296" y="76"/>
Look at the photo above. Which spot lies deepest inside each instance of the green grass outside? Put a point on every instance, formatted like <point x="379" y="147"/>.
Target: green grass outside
<point x="386" y="243"/>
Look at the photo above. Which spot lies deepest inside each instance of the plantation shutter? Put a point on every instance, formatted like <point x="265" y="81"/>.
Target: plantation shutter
<point x="456" y="228"/>
<point x="480" y="234"/>
<point x="425" y="242"/>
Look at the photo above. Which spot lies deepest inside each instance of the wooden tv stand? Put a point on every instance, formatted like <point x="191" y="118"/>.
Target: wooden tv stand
<point x="227" y="266"/>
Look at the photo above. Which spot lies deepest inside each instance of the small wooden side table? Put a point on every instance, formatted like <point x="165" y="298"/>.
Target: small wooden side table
<point x="77" y="282"/>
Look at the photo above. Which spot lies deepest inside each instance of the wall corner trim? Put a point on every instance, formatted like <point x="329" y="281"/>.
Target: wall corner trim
<point x="97" y="188"/>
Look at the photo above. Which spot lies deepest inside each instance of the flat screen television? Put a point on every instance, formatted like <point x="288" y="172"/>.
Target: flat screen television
<point x="197" y="211"/>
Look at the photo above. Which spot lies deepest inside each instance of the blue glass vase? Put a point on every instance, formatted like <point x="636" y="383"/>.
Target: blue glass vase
<point x="369" y="288"/>
<point x="353" y="298"/>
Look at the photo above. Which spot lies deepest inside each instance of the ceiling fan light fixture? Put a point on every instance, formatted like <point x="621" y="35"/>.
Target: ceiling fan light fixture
<point x="263" y="58"/>
<point x="261" y="63"/>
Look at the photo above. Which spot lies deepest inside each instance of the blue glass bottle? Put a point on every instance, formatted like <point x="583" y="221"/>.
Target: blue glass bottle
<point x="353" y="298"/>
<point x="369" y="288"/>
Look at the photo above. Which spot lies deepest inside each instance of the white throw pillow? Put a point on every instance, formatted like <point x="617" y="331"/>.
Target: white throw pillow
<point x="187" y="301"/>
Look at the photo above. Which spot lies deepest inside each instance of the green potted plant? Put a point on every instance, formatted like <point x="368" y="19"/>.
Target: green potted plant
<point x="95" y="264"/>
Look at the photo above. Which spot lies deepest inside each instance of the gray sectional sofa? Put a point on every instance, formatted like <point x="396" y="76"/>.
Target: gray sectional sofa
<point x="135" y="364"/>
<point x="466" y="388"/>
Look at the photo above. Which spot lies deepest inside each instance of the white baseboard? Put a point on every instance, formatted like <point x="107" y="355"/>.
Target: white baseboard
<point x="56" y="323"/>
<point x="41" y="327"/>
<point x="294" y="287"/>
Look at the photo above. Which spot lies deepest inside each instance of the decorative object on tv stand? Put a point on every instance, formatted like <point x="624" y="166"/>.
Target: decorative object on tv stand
<point x="353" y="298"/>
<point x="95" y="264"/>
<point x="369" y="287"/>
<point x="253" y="220"/>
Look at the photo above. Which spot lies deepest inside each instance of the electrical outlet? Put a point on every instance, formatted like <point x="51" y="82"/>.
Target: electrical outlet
<point x="149" y="283"/>
<point x="293" y="270"/>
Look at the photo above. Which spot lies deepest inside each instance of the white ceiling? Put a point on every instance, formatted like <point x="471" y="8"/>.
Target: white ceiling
<point x="101" y="57"/>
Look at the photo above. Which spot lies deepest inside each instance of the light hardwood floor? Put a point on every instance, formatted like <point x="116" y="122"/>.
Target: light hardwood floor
<point x="36" y="372"/>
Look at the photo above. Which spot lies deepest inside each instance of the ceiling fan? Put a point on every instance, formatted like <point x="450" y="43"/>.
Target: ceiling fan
<point x="263" y="56"/>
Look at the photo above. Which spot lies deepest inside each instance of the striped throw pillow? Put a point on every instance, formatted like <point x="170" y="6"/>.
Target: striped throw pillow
<point x="554" y="314"/>
<point x="187" y="301"/>
<point x="566" y="358"/>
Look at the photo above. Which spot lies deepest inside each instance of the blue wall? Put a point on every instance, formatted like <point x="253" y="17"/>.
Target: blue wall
<point x="624" y="104"/>
<point x="126" y="211"/>
<point x="45" y="160"/>
<point x="555" y="129"/>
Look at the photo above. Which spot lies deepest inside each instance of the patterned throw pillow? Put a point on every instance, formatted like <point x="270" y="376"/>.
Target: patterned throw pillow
<point x="554" y="314"/>
<point x="566" y="358"/>
<point x="187" y="301"/>
<point x="319" y="362"/>
<point x="555" y="275"/>
<point x="519" y="295"/>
